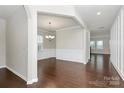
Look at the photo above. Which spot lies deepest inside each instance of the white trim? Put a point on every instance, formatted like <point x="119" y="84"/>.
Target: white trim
<point x="100" y="36"/>
<point x="32" y="81"/>
<point x="16" y="73"/>
<point x="21" y="76"/>
<point x="69" y="60"/>
<point x="46" y="58"/>
<point x="70" y="28"/>
<point x="119" y="72"/>
<point x="2" y="66"/>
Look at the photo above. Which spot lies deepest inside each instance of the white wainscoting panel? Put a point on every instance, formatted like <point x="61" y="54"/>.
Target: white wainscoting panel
<point x="74" y="55"/>
<point x="46" y="53"/>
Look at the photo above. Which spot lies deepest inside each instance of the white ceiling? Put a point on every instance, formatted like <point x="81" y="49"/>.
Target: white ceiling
<point x="57" y="22"/>
<point x="87" y="12"/>
<point x="8" y="10"/>
<point x="95" y="22"/>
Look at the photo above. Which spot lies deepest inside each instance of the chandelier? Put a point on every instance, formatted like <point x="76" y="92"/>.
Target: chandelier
<point x="49" y="36"/>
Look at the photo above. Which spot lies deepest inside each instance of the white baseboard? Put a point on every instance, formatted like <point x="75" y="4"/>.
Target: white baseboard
<point x="21" y="76"/>
<point x="70" y="60"/>
<point x="74" y="55"/>
<point x="45" y="58"/>
<point x="119" y="72"/>
<point x="32" y="81"/>
<point x="2" y="66"/>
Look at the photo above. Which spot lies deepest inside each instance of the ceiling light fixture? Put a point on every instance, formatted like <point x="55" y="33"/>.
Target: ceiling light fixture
<point x="50" y="37"/>
<point x="98" y="13"/>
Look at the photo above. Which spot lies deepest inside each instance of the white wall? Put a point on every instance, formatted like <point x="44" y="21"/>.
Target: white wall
<point x="2" y="43"/>
<point x="117" y="43"/>
<point x="32" y="44"/>
<point x="105" y="36"/>
<point x="69" y="38"/>
<point x="49" y="47"/>
<point x="69" y="44"/>
<point x="17" y="44"/>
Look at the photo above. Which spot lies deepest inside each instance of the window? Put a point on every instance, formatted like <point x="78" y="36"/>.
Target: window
<point x="39" y="39"/>
<point x="99" y="44"/>
<point x="92" y="44"/>
<point x="40" y="42"/>
<point x="96" y="44"/>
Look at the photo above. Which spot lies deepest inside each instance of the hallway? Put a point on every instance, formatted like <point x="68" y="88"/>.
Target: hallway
<point x="97" y="73"/>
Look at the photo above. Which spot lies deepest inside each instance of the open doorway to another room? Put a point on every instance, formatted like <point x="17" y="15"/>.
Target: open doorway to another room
<point x="59" y="43"/>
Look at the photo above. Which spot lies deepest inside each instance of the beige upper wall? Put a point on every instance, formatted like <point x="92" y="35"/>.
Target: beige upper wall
<point x="46" y="43"/>
<point x="2" y="42"/>
<point x="69" y="39"/>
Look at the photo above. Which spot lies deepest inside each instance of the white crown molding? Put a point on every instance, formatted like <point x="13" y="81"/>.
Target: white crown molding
<point x="70" y="28"/>
<point x="100" y="36"/>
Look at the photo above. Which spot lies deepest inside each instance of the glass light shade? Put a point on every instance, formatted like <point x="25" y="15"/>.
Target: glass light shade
<point x="52" y="37"/>
<point x="47" y="37"/>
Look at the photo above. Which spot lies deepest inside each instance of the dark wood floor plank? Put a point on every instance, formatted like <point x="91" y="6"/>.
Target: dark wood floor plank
<point x="10" y="80"/>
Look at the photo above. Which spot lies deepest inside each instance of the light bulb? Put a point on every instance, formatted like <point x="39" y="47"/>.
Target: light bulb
<point x="98" y="13"/>
<point x="47" y="36"/>
<point x="52" y="37"/>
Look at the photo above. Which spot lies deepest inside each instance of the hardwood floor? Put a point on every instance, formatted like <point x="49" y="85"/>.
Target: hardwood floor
<point x="64" y="74"/>
<point x="10" y="80"/>
<point x="53" y="73"/>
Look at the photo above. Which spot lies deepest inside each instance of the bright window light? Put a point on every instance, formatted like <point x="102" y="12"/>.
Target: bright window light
<point x="99" y="44"/>
<point x="92" y="44"/>
<point x="40" y="42"/>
